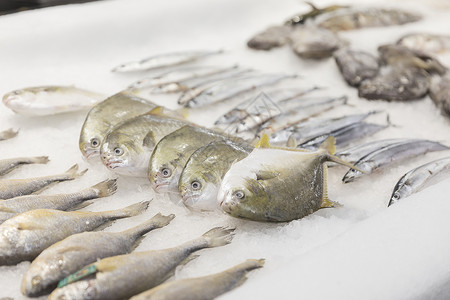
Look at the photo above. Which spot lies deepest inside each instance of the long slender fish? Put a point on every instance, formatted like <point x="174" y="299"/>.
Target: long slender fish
<point x="426" y="42"/>
<point x="26" y="235"/>
<point x="123" y="276"/>
<point x="78" y="250"/>
<point x="420" y="178"/>
<point x="7" y="165"/>
<point x="14" y="206"/>
<point x="50" y="100"/>
<point x="8" y="134"/>
<point x="164" y="60"/>
<point x="205" y="288"/>
<point x="172" y="152"/>
<point x="127" y="148"/>
<point x="10" y="188"/>
<point x="390" y="154"/>
<point x="200" y="179"/>
<point x="105" y="115"/>
<point x="355" y="66"/>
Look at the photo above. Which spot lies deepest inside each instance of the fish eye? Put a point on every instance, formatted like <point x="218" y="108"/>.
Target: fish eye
<point x="95" y="142"/>
<point x="166" y="172"/>
<point x="36" y="280"/>
<point x="239" y="194"/>
<point x="396" y="196"/>
<point x="196" y="185"/>
<point x="118" y="151"/>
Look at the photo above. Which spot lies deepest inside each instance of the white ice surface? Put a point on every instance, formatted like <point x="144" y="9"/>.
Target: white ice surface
<point x="362" y="250"/>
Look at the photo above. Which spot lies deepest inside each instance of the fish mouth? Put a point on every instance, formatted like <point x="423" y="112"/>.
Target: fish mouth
<point x="113" y="164"/>
<point x="91" y="153"/>
<point x="8" y="99"/>
<point x="190" y="200"/>
<point x="161" y="186"/>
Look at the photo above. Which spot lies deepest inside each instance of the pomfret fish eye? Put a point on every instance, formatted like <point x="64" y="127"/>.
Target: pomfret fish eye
<point x="36" y="280"/>
<point x="118" y="151"/>
<point x="239" y="194"/>
<point x="95" y="142"/>
<point x="196" y="185"/>
<point x="166" y="172"/>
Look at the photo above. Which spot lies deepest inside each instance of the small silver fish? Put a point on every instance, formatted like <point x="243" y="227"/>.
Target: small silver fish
<point x="426" y="42"/>
<point x="78" y="250"/>
<point x="8" y="134"/>
<point x="272" y="37"/>
<point x="355" y="66"/>
<point x="207" y="287"/>
<point x="26" y="235"/>
<point x="302" y="18"/>
<point x="10" y="188"/>
<point x="440" y="92"/>
<point x="7" y="165"/>
<point x="164" y="60"/>
<point x="390" y="154"/>
<point x="123" y="276"/>
<point x="14" y="206"/>
<point x="420" y="178"/>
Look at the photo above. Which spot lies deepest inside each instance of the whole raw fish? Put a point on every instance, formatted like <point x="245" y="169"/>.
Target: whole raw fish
<point x="390" y="154"/>
<point x="205" y="288"/>
<point x="7" y="165"/>
<point x="355" y="66"/>
<point x="14" y="206"/>
<point x="200" y="179"/>
<point x="123" y="276"/>
<point x="127" y="148"/>
<point x="440" y="92"/>
<point x="426" y="42"/>
<point x="78" y="250"/>
<point x="172" y="152"/>
<point x="420" y="178"/>
<point x="105" y="115"/>
<point x="8" y="134"/>
<point x="10" y="188"/>
<point x="26" y="235"/>
<point x="50" y="100"/>
<point x="163" y="60"/>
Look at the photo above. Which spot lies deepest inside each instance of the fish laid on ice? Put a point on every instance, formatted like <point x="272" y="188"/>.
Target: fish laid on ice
<point x="50" y="100"/>
<point x="123" y="276"/>
<point x="127" y="148"/>
<point x="78" y="250"/>
<point x="163" y="60"/>
<point x="440" y="92"/>
<point x="172" y="152"/>
<point x="355" y="66"/>
<point x="302" y="18"/>
<point x="272" y="37"/>
<point x="207" y="287"/>
<point x="8" y="134"/>
<point x="419" y="178"/>
<point x="26" y="235"/>
<point x="14" y="206"/>
<point x="200" y="179"/>
<point x="390" y="154"/>
<point x="105" y="115"/>
<point x="426" y="42"/>
<point x="10" y="188"/>
<point x="7" y="165"/>
<point x="277" y="185"/>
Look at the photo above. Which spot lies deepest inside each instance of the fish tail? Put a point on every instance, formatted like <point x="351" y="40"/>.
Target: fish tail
<point x="40" y="160"/>
<point x="218" y="236"/>
<point x="157" y="221"/>
<point x="106" y="188"/>
<point x="72" y="172"/>
<point x="130" y="211"/>
<point x="252" y="264"/>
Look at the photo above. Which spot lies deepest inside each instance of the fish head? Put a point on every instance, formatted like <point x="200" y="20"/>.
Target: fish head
<point x="83" y="289"/>
<point x="199" y="190"/>
<point x="91" y="137"/>
<point x="19" y="100"/>
<point x="401" y="191"/>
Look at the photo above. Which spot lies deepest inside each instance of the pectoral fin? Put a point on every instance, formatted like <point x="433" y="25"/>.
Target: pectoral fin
<point x="149" y="140"/>
<point x="266" y="175"/>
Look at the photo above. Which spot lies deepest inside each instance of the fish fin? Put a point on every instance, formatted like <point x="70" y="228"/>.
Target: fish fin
<point x="264" y="142"/>
<point x="313" y="7"/>
<point x="188" y="259"/>
<point x="329" y="145"/>
<point x="218" y="236"/>
<point x="80" y="205"/>
<point x="157" y="111"/>
<point x="106" y="188"/>
<point x="149" y="140"/>
<point x="291" y="142"/>
<point x="266" y="175"/>
<point x="326" y="203"/>
<point x="104" y="225"/>
<point x="40" y="160"/>
<point x="240" y="281"/>
<point x="137" y="242"/>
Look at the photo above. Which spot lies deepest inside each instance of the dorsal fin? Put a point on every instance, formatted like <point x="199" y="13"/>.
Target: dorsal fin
<point x="158" y="111"/>
<point x="264" y="142"/>
<point x="329" y="144"/>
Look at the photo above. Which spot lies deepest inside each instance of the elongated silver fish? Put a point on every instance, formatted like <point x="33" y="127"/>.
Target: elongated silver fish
<point x="207" y="287"/>
<point x="426" y="42"/>
<point x="26" y="235"/>
<point x="163" y="60"/>
<point x="14" y="206"/>
<point x="200" y="179"/>
<point x="78" y="250"/>
<point x="272" y="37"/>
<point x="390" y="154"/>
<point x="50" y="100"/>
<point x="440" y="92"/>
<point x="8" y="134"/>
<point x="10" y="188"/>
<point x="355" y="66"/>
<point x="231" y="88"/>
<point x="123" y="276"/>
<point x="302" y="18"/>
<point x="7" y="165"/>
<point x="420" y="178"/>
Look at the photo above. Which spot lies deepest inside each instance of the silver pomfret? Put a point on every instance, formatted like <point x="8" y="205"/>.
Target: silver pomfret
<point x="7" y="165"/>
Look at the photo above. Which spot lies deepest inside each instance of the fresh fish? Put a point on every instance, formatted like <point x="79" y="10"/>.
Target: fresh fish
<point x="78" y="250"/>
<point x="14" y="206"/>
<point x="127" y="148"/>
<point x="355" y="18"/>
<point x="8" y="134"/>
<point x="313" y="42"/>
<point x="163" y="60"/>
<point x="300" y="19"/>
<point x="50" y="100"/>
<point x="272" y="37"/>
<point x="390" y="154"/>
<point x="420" y="178"/>
<point x="172" y="152"/>
<point x="123" y="276"/>
<point x="207" y="287"/>
<point x="105" y="115"/>
<point x="440" y="92"/>
<point x="26" y="235"/>
<point x="426" y="42"/>
<point x="7" y="165"/>
<point x="355" y="66"/>
<point x="10" y="188"/>
<point x="231" y="88"/>
<point x="277" y="185"/>
<point x="200" y="179"/>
